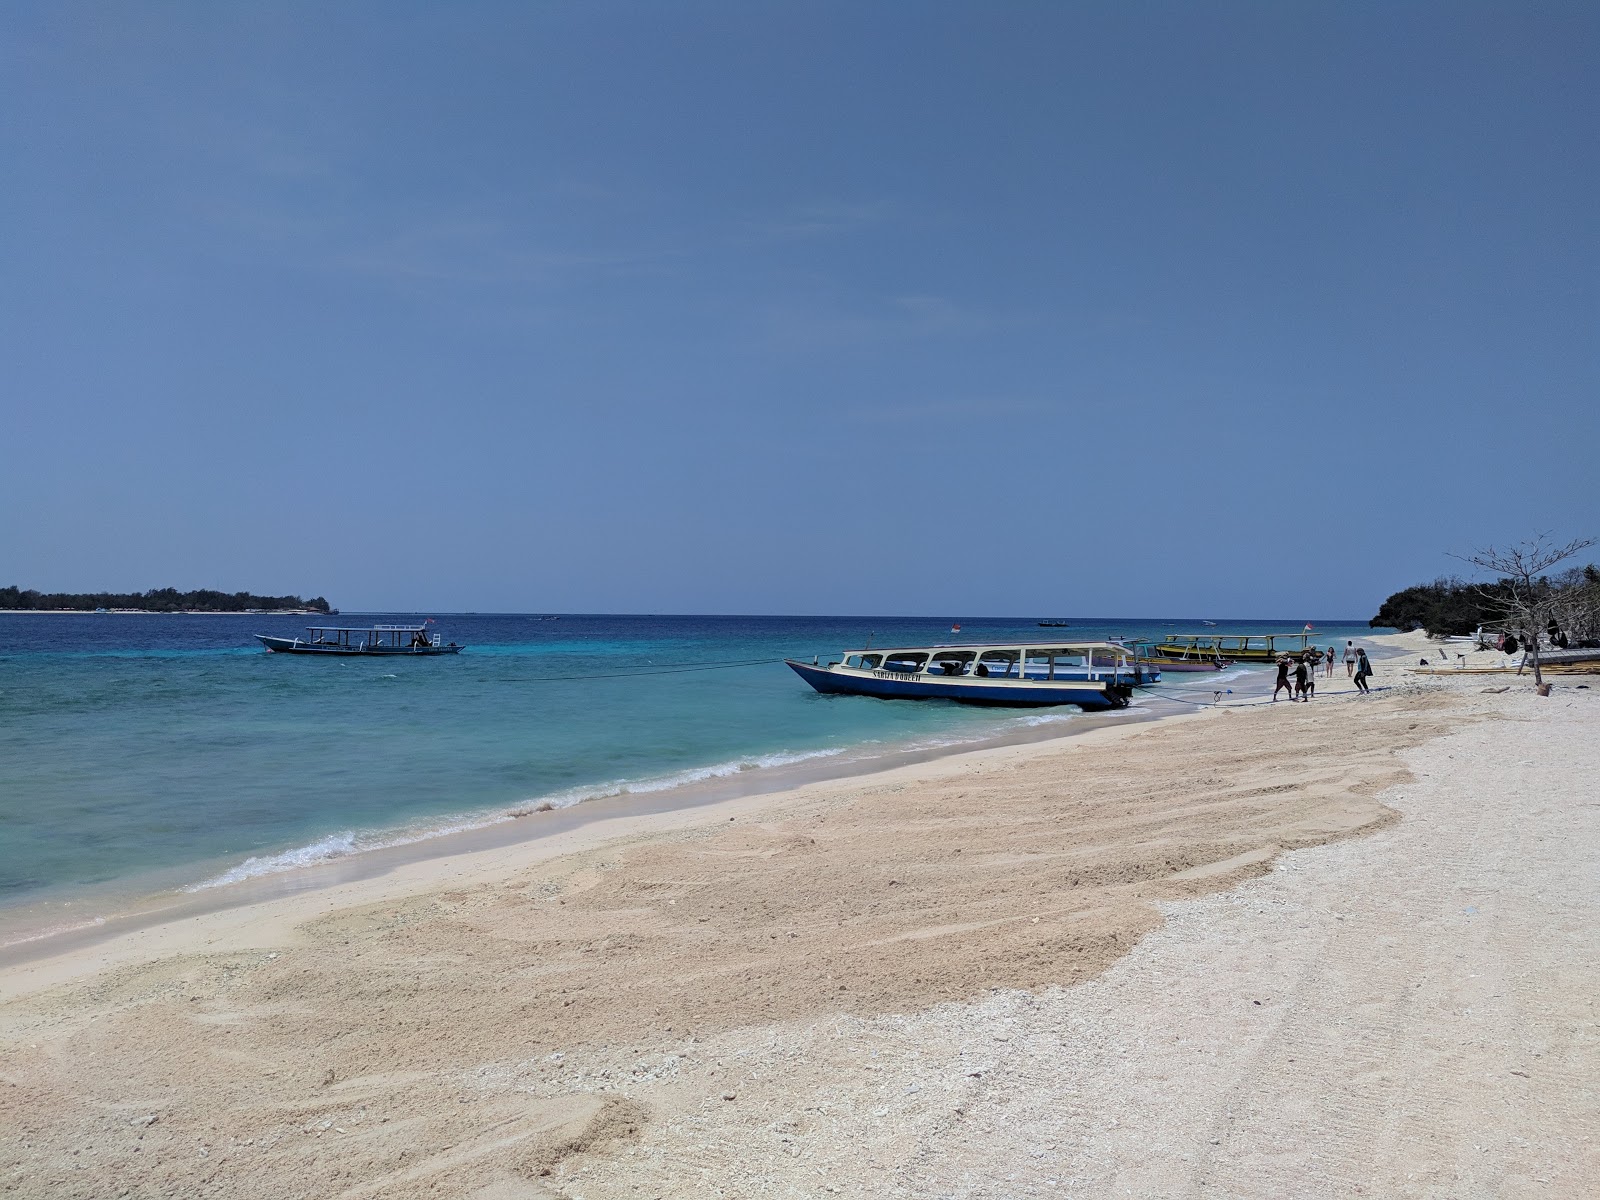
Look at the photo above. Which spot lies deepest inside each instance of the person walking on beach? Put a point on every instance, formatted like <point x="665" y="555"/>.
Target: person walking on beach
<point x="1331" y="657"/>
<point x="1309" y="665"/>
<point x="1363" y="670"/>
<point x="1283" y="679"/>
<point x="1349" y="659"/>
<point x="1300" y="679"/>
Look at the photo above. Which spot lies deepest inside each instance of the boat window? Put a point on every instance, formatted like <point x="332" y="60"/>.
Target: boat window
<point x="906" y="662"/>
<point x="997" y="662"/>
<point x="867" y="662"/>
<point x="952" y="662"/>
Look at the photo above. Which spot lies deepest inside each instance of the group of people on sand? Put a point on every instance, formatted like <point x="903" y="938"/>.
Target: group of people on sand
<point x="1297" y="674"/>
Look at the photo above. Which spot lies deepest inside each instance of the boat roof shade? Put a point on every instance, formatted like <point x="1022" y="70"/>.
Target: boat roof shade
<point x="1016" y="647"/>
<point x="366" y="628"/>
<point x="1178" y="637"/>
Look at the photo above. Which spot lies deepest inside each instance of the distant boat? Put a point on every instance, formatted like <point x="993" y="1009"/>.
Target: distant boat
<point x="1055" y="625"/>
<point x="1212" y="623"/>
<point x="1093" y="675"/>
<point x="378" y="640"/>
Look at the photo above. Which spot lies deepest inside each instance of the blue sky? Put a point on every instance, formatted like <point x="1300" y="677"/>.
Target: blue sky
<point x="955" y="309"/>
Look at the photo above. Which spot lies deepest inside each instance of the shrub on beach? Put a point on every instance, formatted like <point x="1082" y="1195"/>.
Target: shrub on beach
<point x="1447" y="606"/>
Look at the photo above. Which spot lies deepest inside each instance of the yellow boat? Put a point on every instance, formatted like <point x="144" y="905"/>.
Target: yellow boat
<point x="1240" y="647"/>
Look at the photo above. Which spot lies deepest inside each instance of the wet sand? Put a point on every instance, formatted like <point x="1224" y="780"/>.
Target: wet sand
<point x="1028" y="969"/>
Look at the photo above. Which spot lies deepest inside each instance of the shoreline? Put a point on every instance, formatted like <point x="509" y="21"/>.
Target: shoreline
<point x="535" y="836"/>
<point x="36" y="928"/>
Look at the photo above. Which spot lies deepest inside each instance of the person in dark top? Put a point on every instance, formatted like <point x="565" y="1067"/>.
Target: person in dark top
<point x="1283" y="683"/>
<point x="1363" y="670"/>
<point x="1299" y="679"/>
<point x="1309" y="665"/>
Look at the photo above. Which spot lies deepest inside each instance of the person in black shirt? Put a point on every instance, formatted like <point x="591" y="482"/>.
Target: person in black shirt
<point x="1283" y="679"/>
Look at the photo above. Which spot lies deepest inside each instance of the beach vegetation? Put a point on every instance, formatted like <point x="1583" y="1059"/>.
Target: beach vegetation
<point x="155" y="600"/>
<point x="1447" y="607"/>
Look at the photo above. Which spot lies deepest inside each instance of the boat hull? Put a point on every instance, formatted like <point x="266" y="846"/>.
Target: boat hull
<point x="1185" y="664"/>
<point x="276" y="645"/>
<point x="1109" y="692"/>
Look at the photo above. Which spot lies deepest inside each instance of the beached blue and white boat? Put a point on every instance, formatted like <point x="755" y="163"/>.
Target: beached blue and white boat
<point x="1092" y="675"/>
<point x="377" y="640"/>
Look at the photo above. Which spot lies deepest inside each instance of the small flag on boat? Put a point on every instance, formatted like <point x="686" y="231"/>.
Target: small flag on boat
<point x="1308" y="626"/>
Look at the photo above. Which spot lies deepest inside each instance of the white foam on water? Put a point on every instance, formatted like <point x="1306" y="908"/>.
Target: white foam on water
<point x="1049" y="718"/>
<point x="53" y="931"/>
<point x="677" y="779"/>
<point x="336" y="845"/>
<point x="342" y="845"/>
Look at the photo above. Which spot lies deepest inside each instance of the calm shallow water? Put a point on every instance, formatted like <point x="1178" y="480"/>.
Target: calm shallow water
<point x="174" y="752"/>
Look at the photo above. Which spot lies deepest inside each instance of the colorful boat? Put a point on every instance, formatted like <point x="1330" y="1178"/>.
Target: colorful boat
<point x="1237" y="647"/>
<point x="1092" y="675"/>
<point x="1147" y="655"/>
<point x="378" y="640"/>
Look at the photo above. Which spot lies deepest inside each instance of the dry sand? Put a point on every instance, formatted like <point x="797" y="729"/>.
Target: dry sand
<point x="1085" y="967"/>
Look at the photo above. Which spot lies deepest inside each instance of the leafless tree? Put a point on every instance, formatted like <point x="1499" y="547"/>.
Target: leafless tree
<point x="1526" y="600"/>
<point x="1577" y="602"/>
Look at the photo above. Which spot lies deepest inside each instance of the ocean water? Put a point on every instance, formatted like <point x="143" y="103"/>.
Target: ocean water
<point x="171" y="752"/>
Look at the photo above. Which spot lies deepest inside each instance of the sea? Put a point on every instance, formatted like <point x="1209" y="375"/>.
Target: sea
<point x="145" y="755"/>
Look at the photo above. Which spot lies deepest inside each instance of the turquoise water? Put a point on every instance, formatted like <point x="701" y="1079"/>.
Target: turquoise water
<point x="172" y="750"/>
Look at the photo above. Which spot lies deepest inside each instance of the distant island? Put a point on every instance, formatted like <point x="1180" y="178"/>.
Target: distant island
<point x="157" y="600"/>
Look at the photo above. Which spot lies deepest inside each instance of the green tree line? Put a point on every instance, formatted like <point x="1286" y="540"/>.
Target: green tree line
<point x="155" y="600"/>
<point x="1452" y="607"/>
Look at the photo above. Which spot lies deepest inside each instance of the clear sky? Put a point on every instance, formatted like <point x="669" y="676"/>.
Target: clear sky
<point x="956" y="309"/>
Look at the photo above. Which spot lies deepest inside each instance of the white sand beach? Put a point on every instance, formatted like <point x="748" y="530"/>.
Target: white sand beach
<point x="1345" y="947"/>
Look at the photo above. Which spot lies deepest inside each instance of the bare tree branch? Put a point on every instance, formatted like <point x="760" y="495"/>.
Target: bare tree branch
<point x="1524" y="596"/>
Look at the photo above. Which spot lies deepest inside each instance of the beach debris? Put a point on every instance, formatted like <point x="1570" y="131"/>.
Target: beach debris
<point x="1495" y="691"/>
<point x="729" y="1096"/>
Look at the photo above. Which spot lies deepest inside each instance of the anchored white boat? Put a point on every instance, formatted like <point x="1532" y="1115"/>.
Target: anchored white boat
<point x="1088" y="674"/>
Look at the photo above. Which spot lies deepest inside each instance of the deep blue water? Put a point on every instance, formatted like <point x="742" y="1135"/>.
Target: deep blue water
<point x="137" y="746"/>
